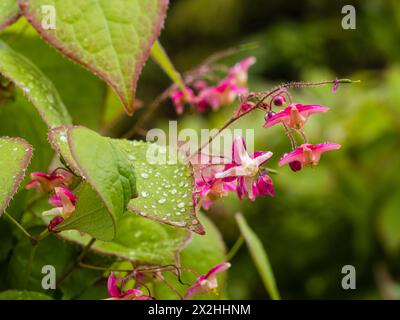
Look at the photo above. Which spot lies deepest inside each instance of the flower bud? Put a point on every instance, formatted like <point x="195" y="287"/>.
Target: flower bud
<point x="54" y="223"/>
<point x="279" y="101"/>
<point x="295" y="166"/>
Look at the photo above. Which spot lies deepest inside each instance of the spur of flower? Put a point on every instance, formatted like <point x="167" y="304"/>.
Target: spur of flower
<point x="208" y="282"/>
<point x="245" y="168"/>
<point x="307" y="155"/>
<point x="46" y="182"/>
<point x="116" y="293"/>
<point x="63" y="202"/>
<point x="294" y="116"/>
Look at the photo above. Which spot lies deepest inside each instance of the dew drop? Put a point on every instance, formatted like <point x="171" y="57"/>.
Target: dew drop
<point x="181" y="204"/>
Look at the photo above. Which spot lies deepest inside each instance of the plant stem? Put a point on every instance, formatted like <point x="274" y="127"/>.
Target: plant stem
<point x="261" y="101"/>
<point x="89" y="266"/>
<point x="235" y="248"/>
<point x="42" y="235"/>
<point x="19" y="226"/>
<point x="77" y="262"/>
<point x="148" y="114"/>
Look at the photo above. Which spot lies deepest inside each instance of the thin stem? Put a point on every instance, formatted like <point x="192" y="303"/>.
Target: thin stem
<point x="303" y="135"/>
<point x="19" y="226"/>
<point x="42" y="235"/>
<point x="148" y="114"/>
<point x="169" y="285"/>
<point x="266" y="95"/>
<point x="235" y="248"/>
<point x="77" y="262"/>
<point x="291" y="138"/>
<point x="89" y="266"/>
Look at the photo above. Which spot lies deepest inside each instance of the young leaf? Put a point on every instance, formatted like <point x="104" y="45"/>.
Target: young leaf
<point x="23" y="295"/>
<point x="139" y="240"/>
<point x="200" y="255"/>
<point x="160" y="56"/>
<point x="9" y="13"/>
<point x="113" y="39"/>
<point x="34" y="84"/>
<point x="165" y="190"/>
<point x="15" y="155"/>
<point x="109" y="180"/>
<point x="259" y="256"/>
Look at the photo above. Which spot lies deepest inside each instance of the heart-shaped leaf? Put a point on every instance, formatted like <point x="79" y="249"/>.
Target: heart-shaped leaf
<point x="165" y="189"/>
<point x="9" y="12"/>
<point x="139" y="240"/>
<point x="111" y="38"/>
<point x="109" y="180"/>
<point x="36" y="87"/>
<point x="15" y="155"/>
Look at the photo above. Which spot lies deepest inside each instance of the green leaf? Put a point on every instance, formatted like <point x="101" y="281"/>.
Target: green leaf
<point x="160" y="56"/>
<point x="26" y="263"/>
<point x="200" y="255"/>
<point x="15" y="155"/>
<point x="36" y="87"/>
<point x="23" y="295"/>
<point x="109" y="180"/>
<point x="165" y="190"/>
<point x="9" y="12"/>
<point x="68" y="77"/>
<point x="259" y="256"/>
<point x="139" y="240"/>
<point x="112" y="39"/>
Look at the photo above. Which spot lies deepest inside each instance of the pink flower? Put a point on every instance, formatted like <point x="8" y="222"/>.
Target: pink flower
<point x="244" y="167"/>
<point x="54" y="223"/>
<point x="47" y="182"/>
<point x="213" y="190"/>
<point x="64" y="202"/>
<point x="239" y="71"/>
<point x="308" y="154"/>
<point x="228" y="89"/>
<point x="180" y="98"/>
<point x="223" y="93"/>
<point x="207" y="188"/>
<point x="117" y="294"/>
<point x="264" y="186"/>
<point x="208" y="282"/>
<point x="294" y="115"/>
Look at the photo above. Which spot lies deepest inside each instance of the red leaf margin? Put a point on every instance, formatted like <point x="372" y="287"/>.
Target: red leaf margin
<point x="20" y="176"/>
<point x="142" y="58"/>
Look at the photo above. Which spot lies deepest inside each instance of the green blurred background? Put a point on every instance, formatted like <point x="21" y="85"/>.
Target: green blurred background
<point x="347" y="209"/>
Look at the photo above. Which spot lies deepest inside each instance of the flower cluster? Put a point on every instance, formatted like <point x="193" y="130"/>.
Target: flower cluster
<point x="245" y="173"/>
<point x="207" y="283"/>
<point x="202" y="96"/>
<point x="62" y="199"/>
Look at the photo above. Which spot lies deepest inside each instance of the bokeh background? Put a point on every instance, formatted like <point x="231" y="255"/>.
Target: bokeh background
<point x="344" y="211"/>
